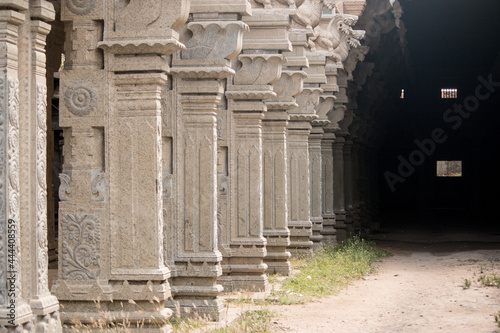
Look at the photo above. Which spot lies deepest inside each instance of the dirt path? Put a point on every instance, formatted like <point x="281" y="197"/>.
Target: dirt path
<point x="419" y="289"/>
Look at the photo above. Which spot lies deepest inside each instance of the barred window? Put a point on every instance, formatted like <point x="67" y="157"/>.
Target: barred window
<point x="449" y="93"/>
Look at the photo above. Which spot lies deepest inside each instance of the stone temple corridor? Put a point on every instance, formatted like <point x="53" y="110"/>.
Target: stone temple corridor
<point x="167" y="151"/>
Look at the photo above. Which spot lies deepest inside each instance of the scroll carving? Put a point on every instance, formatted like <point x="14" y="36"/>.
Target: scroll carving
<point x="80" y="247"/>
<point x="268" y="4"/>
<point x="41" y="196"/>
<point x="259" y="69"/>
<point x="214" y="40"/>
<point x="65" y="187"/>
<point x="98" y="185"/>
<point x="3" y="203"/>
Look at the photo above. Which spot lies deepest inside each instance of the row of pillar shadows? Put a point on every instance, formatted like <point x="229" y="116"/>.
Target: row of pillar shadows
<point x="205" y="143"/>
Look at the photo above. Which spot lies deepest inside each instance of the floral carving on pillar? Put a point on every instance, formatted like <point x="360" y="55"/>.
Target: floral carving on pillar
<point x="9" y="179"/>
<point x="81" y="98"/>
<point x="3" y="181"/>
<point x="81" y="7"/>
<point x="41" y="196"/>
<point x="81" y="247"/>
<point x="214" y="40"/>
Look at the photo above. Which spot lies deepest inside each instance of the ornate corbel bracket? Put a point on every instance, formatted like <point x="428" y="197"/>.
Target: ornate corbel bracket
<point x="308" y="102"/>
<point x="271" y="4"/>
<point x="346" y="122"/>
<point x="348" y="42"/>
<point x="309" y="13"/>
<point x="288" y="86"/>
<point x="356" y="55"/>
<point x="259" y="69"/>
<point x="336" y="115"/>
<point x="147" y="27"/>
<point x="325" y="106"/>
<point x="214" y="40"/>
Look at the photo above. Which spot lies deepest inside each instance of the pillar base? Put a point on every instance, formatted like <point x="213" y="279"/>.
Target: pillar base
<point x="278" y="257"/>
<point x="205" y="309"/>
<point x="317" y="226"/>
<point x="300" y="239"/>
<point x="244" y="269"/>
<point x="340" y="226"/>
<point x="278" y="260"/>
<point x="142" y="316"/>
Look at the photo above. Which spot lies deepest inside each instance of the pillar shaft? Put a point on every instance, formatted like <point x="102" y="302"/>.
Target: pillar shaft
<point x="329" y="232"/>
<point x="299" y="191"/>
<point x="25" y="298"/>
<point x="275" y="192"/>
<point x="315" y="169"/>
<point x="111" y="217"/>
<point x="339" y="188"/>
<point x="348" y="183"/>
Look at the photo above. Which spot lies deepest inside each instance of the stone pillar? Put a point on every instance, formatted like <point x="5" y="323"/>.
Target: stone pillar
<point x="338" y="188"/>
<point x="316" y="77"/>
<point x="348" y="183"/>
<point x="276" y="174"/>
<point x="25" y="299"/>
<point x="298" y="166"/>
<point x="261" y="64"/>
<point x="363" y="179"/>
<point x="12" y="128"/>
<point x="192" y="244"/>
<point x="316" y="167"/>
<point x="315" y="184"/>
<point x="112" y="219"/>
<point x="244" y="267"/>
<point x="355" y="186"/>
<point x="275" y="192"/>
<point x="329" y="231"/>
<point x="194" y="223"/>
<point x="334" y="116"/>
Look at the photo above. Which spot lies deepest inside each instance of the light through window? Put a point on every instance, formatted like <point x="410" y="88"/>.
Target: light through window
<point x="449" y="93"/>
<point x="402" y="94"/>
<point x="449" y="169"/>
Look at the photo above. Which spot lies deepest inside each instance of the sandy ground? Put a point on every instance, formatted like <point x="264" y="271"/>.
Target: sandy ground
<point x="418" y="289"/>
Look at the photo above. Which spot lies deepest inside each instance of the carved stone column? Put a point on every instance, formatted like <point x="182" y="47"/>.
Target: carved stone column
<point x="328" y="231"/>
<point x="112" y="220"/>
<point x="338" y="188"/>
<point x="25" y="300"/>
<point x="348" y="183"/>
<point x="315" y="184"/>
<point x="194" y="223"/>
<point x="355" y="186"/>
<point x="334" y="117"/>
<point x="259" y="66"/>
<point x="316" y="77"/>
<point x="244" y="266"/>
<point x="299" y="169"/>
<point x="276" y="174"/>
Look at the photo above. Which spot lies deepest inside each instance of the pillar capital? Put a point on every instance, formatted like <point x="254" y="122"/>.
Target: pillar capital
<point x="140" y="28"/>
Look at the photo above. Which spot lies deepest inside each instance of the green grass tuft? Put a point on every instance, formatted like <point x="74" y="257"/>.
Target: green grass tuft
<point x="330" y="270"/>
